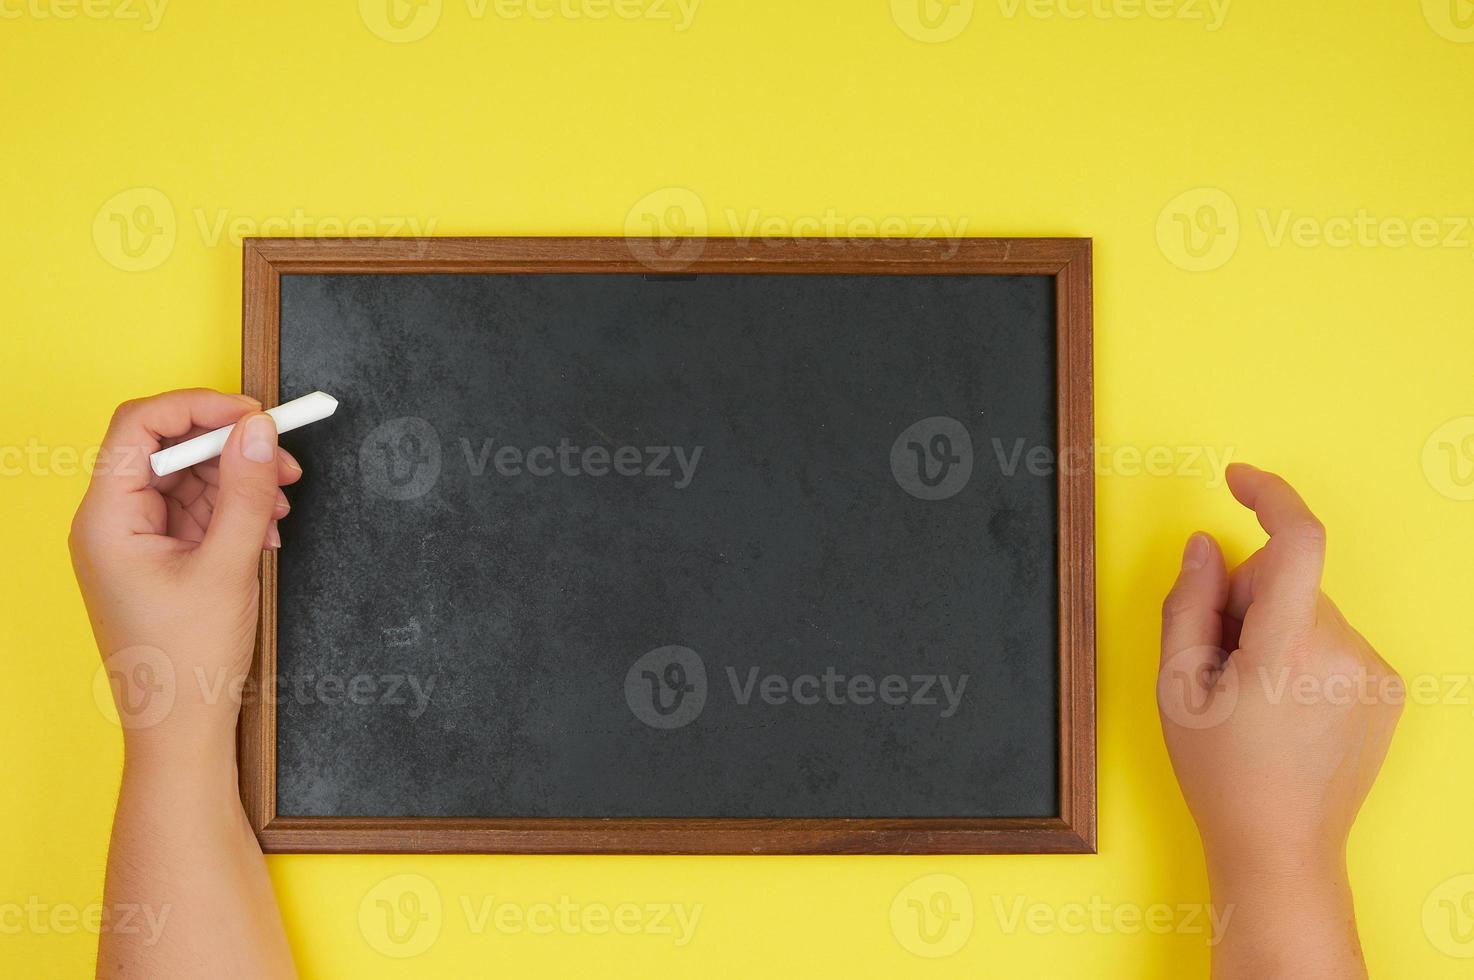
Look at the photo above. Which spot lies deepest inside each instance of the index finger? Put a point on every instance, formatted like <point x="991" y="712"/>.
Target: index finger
<point x="139" y="428"/>
<point x="1288" y="575"/>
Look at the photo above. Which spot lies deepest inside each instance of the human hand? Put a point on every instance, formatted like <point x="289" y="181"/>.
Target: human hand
<point x="1277" y="715"/>
<point x="168" y="570"/>
<point x="168" y="565"/>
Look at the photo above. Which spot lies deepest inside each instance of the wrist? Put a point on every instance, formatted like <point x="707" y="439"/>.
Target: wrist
<point x="1276" y="868"/>
<point x="1285" y="913"/>
<point x="201" y="756"/>
<point x="189" y="785"/>
<point x="173" y="682"/>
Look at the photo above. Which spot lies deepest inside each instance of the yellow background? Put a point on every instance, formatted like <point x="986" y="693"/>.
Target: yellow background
<point x="1335" y="364"/>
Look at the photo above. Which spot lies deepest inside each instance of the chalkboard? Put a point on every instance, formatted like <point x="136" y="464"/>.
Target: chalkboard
<point x="774" y="551"/>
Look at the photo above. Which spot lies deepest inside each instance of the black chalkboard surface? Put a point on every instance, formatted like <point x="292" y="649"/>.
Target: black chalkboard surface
<point x="603" y="549"/>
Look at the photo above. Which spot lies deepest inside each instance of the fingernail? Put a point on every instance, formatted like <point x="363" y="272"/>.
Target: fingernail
<point x="1195" y="555"/>
<point x="283" y="505"/>
<point x="259" y="442"/>
<point x="247" y="399"/>
<point x="273" y="536"/>
<point x="290" y="460"/>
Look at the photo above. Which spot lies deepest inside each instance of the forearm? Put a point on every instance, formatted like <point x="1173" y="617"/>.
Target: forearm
<point x="1288" y="918"/>
<point x="184" y="858"/>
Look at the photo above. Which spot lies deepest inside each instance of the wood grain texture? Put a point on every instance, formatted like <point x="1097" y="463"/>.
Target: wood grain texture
<point x="1068" y="260"/>
<point x="256" y="732"/>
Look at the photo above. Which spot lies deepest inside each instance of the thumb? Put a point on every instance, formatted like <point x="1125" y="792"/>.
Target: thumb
<point x="1192" y="635"/>
<point x="247" y="494"/>
<point x="1192" y="615"/>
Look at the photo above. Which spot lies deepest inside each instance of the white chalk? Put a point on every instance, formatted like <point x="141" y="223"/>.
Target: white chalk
<point x="289" y="415"/>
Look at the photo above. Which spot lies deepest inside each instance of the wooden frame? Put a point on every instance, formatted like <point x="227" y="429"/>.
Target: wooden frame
<point x="1066" y="259"/>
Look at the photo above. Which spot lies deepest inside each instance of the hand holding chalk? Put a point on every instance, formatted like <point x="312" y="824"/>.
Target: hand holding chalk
<point x="288" y="416"/>
<point x="170" y="572"/>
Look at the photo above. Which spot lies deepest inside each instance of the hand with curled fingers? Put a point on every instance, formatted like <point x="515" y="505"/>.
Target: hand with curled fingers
<point x="1277" y="716"/>
<point x="169" y="565"/>
<point x="168" y="569"/>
